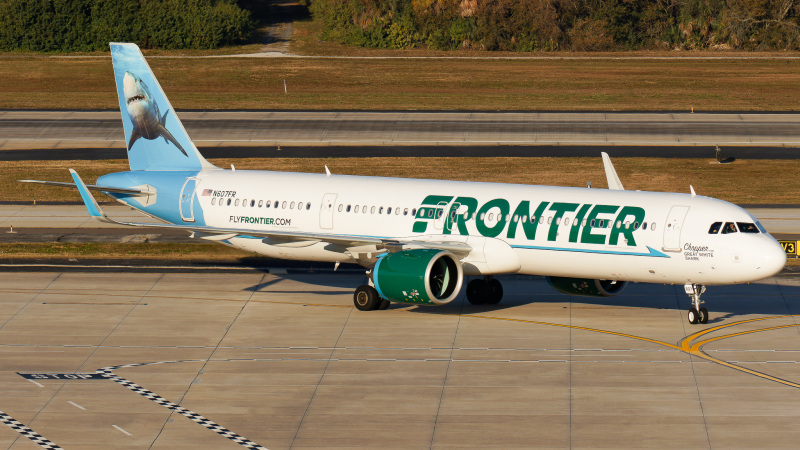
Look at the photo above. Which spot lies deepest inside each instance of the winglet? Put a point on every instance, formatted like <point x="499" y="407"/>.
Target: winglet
<point x="611" y="174"/>
<point x="88" y="200"/>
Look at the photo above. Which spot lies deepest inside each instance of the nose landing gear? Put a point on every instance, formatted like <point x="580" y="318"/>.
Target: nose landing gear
<point x="696" y="314"/>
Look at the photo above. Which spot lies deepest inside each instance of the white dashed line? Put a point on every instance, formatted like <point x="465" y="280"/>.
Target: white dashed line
<point x="38" y="384"/>
<point x="120" y="429"/>
<point x="76" y="405"/>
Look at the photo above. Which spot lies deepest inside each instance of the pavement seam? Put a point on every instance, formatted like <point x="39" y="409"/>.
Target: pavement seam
<point x="180" y="409"/>
<point x="321" y="377"/>
<point x="43" y="290"/>
<point x="447" y="369"/>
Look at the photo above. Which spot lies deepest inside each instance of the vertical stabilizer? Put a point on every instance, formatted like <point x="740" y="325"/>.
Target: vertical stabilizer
<point x="155" y="138"/>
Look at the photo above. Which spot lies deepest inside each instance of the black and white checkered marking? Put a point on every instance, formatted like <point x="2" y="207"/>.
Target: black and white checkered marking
<point x="22" y="429"/>
<point x="197" y="418"/>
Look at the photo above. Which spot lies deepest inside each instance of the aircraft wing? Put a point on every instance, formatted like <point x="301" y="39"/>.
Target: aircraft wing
<point x="278" y="238"/>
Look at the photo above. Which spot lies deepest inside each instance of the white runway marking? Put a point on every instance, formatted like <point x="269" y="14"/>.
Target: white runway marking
<point x="38" y="384"/>
<point x="120" y="429"/>
<point x="76" y="405"/>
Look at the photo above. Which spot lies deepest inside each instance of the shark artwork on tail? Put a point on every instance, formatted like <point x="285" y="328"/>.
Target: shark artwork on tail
<point x="143" y="111"/>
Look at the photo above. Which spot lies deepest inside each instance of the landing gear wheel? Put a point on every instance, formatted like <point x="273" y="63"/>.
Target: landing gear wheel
<point x="495" y="292"/>
<point x="384" y="304"/>
<point x="703" y="315"/>
<point x="477" y="291"/>
<point x="366" y="298"/>
<point x="693" y="316"/>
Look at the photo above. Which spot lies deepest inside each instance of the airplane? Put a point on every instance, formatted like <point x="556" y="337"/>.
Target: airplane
<point x="419" y="239"/>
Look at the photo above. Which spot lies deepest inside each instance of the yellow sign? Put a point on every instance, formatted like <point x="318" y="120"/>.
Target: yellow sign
<point x="790" y="247"/>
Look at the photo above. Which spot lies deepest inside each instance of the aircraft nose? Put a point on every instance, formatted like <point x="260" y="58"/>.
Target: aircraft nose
<point x="772" y="260"/>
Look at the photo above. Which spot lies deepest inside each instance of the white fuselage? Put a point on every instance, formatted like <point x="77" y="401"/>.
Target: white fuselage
<point x="579" y="232"/>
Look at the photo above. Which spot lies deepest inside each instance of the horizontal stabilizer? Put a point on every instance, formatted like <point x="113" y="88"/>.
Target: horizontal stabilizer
<point x="92" y="187"/>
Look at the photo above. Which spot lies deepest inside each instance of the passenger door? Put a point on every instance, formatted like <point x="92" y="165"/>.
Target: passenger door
<point x="673" y="227"/>
<point x="186" y="202"/>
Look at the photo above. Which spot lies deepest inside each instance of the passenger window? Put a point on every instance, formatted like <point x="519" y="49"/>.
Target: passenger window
<point x="260" y="203"/>
<point x="380" y="210"/>
<point x="405" y="211"/>
<point x="558" y="221"/>
<point x="635" y="225"/>
<point x="268" y="205"/>
<point x="372" y="210"/>
<point x="213" y="200"/>
<point x="236" y="203"/>
<point x="414" y="212"/>
<point x="364" y="209"/>
<point x="592" y="223"/>
<point x="715" y="227"/>
<point x="389" y="210"/>
<point x="729" y="228"/>
<point x="397" y="211"/>
<point x="252" y="203"/>
<point x="341" y="207"/>
<point x="355" y="209"/>
<point x="299" y="205"/>
<point x="747" y="227"/>
<point x="348" y="208"/>
<point x="291" y="206"/>
<point x="566" y="221"/>
<point x="430" y="212"/>
<point x="644" y="226"/>
<point x="308" y="206"/>
<point x="276" y="203"/>
<point x="653" y="226"/>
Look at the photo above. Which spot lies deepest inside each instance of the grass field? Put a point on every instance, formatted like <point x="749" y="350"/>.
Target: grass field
<point x="766" y="180"/>
<point x="415" y="84"/>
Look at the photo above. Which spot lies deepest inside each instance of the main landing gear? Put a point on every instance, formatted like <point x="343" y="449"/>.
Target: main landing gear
<point x="696" y="313"/>
<point x="366" y="298"/>
<point x="486" y="290"/>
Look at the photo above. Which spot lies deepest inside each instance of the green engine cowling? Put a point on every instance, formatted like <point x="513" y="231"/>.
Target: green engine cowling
<point x="587" y="287"/>
<point x="419" y="276"/>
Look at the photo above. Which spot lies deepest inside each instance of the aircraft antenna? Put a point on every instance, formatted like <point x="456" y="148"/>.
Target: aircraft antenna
<point x="691" y="189"/>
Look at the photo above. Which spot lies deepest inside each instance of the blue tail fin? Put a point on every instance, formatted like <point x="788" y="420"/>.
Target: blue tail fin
<point x="155" y="138"/>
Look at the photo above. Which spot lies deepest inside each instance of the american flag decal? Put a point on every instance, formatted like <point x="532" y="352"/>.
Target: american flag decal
<point x="207" y="192"/>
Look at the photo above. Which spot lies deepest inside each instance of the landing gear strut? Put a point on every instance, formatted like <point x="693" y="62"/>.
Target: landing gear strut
<point x="696" y="314"/>
<point x="484" y="290"/>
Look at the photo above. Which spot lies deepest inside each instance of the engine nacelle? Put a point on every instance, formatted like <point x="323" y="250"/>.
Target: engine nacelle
<point x="419" y="276"/>
<point x="585" y="287"/>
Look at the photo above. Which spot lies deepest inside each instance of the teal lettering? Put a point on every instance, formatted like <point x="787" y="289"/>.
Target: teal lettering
<point x="528" y="226"/>
<point x="637" y="215"/>
<point x="494" y="231"/>
<point x="587" y="237"/>
<point x="560" y="209"/>
<point x="576" y="226"/>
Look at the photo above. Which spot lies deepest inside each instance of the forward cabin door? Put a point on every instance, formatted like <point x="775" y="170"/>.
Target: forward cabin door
<point x="673" y="227"/>
<point x="326" y="211"/>
<point x="186" y="203"/>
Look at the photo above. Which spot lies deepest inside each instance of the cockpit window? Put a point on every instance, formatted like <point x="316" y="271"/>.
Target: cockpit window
<point x="715" y="228"/>
<point x="761" y="227"/>
<point x="747" y="227"/>
<point x="729" y="227"/>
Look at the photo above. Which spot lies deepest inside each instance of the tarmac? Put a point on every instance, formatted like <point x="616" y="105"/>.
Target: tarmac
<point x="277" y="360"/>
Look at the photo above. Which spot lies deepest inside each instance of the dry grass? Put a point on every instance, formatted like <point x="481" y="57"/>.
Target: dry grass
<point x="159" y="251"/>
<point x="744" y="181"/>
<point x="416" y="84"/>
